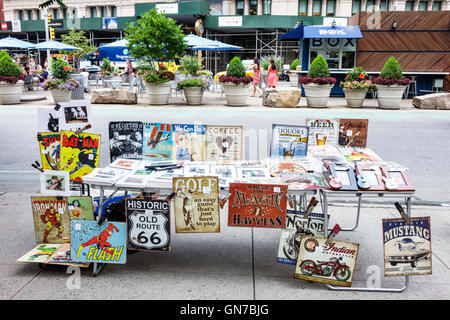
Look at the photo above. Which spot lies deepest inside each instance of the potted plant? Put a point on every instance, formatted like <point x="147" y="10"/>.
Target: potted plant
<point x="293" y="76"/>
<point x="61" y="84"/>
<point x="193" y="89"/>
<point x="318" y="83"/>
<point x="106" y="69"/>
<point x="355" y="86"/>
<point x="11" y="80"/>
<point x="156" y="40"/>
<point x="390" y="85"/>
<point x="236" y="84"/>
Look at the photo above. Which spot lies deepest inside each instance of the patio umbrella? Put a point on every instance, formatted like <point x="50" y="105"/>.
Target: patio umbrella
<point x="116" y="44"/>
<point x="198" y="43"/>
<point x="55" y="45"/>
<point x="10" y="42"/>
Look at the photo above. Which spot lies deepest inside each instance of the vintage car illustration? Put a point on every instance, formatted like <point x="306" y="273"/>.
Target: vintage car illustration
<point x="407" y="251"/>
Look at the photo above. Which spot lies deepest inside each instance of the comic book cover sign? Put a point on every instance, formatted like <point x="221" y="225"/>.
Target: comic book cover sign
<point x="296" y="227"/>
<point x="196" y="204"/>
<point x="322" y="132"/>
<point x="49" y="147"/>
<point x="148" y="223"/>
<point x="158" y="138"/>
<point x="188" y="142"/>
<point x="353" y="132"/>
<point x="93" y="243"/>
<point x="257" y="205"/>
<point x="407" y="247"/>
<point x="40" y="253"/>
<point x="62" y="257"/>
<point x="289" y="141"/>
<point x="81" y="208"/>
<point x="79" y="153"/>
<point x="51" y="219"/>
<point x="223" y="143"/>
<point x="332" y="263"/>
<point x="126" y="139"/>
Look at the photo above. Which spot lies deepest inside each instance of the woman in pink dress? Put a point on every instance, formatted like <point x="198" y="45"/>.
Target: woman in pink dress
<point x="272" y="75"/>
<point x="256" y="77"/>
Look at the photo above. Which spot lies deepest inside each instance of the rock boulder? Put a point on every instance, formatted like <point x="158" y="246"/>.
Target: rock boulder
<point x="433" y="101"/>
<point x="284" y="97"/>
<point x="106" y="96"/>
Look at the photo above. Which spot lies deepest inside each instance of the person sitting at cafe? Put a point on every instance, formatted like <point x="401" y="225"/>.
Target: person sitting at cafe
<point x="44" y="75"/>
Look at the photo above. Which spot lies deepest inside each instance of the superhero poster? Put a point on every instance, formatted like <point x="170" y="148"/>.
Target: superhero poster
<point x="80" y="153"/>
<point x="158" y="139"/>
<point x="332" y="263"/>
<point x="126" y="139"/>
<point x="353" y="132"/>
<point x="257" y="205"/>
<point x="188" y="142"/>
<point x="223" y="143"/>
<point x="148" y="223"/>
<point x="93" y="243"/>
<point x="51" y="219"/>
<point x="296" y="227"/>
<point x="322" y="132"/>
<point x="62" y="257"/>
<point x="407" y="247"/>
<point x="49" y="147"/>
<point x="196" y="204"/>
<point x="55" y="183"/>
<point x="41" y="253"/>
<point x="81" y="208"/>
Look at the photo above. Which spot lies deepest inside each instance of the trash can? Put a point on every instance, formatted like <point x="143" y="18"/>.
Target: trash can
<point x="78" y="93"/>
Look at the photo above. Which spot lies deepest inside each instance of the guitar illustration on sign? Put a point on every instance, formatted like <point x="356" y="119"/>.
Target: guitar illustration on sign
<point x="389" y="183"/>
<point x="363" y="183"/>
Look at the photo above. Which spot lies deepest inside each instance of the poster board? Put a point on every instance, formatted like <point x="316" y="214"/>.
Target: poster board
<point x="289" y="141"/>
<point x="158" y="140"/>
<point x="50" y="150"/>
<point x="62" y="257"/>
<point x="55" y="183"/>
<point x="125" y="139"/>
<point x="322" y="132"/>
<point x="353" y="132"/>
<point x="189" y="141"/>
<point x="223" y="143"/>
<point x="48" y="119"/>
<point x="40" y="253"/>
<point x="81" y="208"/>
<point x="75" y="114"/>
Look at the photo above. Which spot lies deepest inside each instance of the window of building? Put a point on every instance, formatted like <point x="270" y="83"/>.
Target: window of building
<point x="384" y="5"/>
<point x="409" y="6"/>
<point x="370" y="5"/>
<point x="339" y="53"/>
<point x="56" y="14"/>
<point x="93" y="12"/>
<point x="103" y="11"/>
<point x="74" y="13"/>
<point x="437" y="5"/>
<point x="65" y="13"/>
<point x="303" y="8"/>
<point x="30" y="15"/>
<point x="317" y="8"/>
<point x="267" y="6"/>
<point x="331" y="8"/>
<point x="253" y="10"/>
<point x="423" y="5"/>
<point x="20" y="15"/>
<point x="240" y="7"/>
<point x="38" y="14"/>
<point x="356" y="6"/>
<point x="113" y="11"/>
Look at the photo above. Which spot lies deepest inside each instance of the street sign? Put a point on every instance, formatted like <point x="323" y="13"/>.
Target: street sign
<point x="56" y="23"/>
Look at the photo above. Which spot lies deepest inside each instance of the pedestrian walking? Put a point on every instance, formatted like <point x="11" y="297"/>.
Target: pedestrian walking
<point x="272" y="75"/>
<point x="256" y="77"/>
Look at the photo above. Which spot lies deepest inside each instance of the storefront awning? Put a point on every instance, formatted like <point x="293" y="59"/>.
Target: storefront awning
<point x="351" y="32"/>
<point x="292" y="35"/>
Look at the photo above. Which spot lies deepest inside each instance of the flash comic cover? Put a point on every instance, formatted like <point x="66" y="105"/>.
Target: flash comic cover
<point x="93" y="243"/>
<point x="224" y="143"/>
<point x="126" y="139"/>
<point x="49" y="147"/>
<point x="257" y="205"/>
<point x="158" y="140"/>
<point x="196" y="204"/>
<point x="51" y="219"/>
<point x="188" y="142"/>
<point x="80" y="154"/>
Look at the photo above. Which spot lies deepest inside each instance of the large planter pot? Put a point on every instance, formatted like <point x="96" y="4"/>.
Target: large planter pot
<point x="389" y="97"/>
<point x="194" y="95"/>
<point x="10" y="93"/>
<point x="293" y="79"/>
<point x="236" y="94"/>
<point x="159" y="94"/>
<point x="61" y="95"/>
<point x="317" y="94"/>
<point x="355" y="97"/>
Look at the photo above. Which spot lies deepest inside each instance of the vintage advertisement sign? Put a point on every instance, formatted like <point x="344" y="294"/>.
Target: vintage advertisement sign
<point x="125" y="139"/>
<point x="188" y="142"/>
<point x="148" y="224"/>
<point x="158" y="140"/>
<point x="289" y="141"/>
<point x="322" y="132"/>
<point x="223" y="143"/>
<point x="196" y="204"/>
<point x="353" y="132"/>
<point x="49" y="147"/>
<point x="80" y="153"/>
<point x="257" y="205"/>
<point x="296" y="227"/>
<point x="407" y="247"/>
<point x="332" y="263"/>
<point x="51" y="219"/>
<point x="93" y="243"/>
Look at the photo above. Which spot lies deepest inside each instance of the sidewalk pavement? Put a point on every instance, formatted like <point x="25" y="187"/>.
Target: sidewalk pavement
<point x="237" y="263"/>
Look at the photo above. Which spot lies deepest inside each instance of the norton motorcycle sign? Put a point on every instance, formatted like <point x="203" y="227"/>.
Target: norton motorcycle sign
<point x="407" y="247"/>
<point x="148" y="224"/>
<point x="332" y="263"/>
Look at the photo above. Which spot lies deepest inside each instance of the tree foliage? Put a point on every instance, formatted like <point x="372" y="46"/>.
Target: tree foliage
<point x="7" y="66"/>
<point x="319" y="68"/>
<point x="391" y="69"/>
<point x="78" y="39"/>
<point x="48" y="3"/>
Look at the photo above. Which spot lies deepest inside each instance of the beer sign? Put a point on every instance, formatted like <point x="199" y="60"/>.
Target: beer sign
<point x="148" y="224"/>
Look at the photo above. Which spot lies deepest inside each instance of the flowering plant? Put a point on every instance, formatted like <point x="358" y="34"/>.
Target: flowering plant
<point x="357" y="79"/>
<point x="61" y="69"/>
<point x="319" y="80"/>
<point x="53" y="84"/>
<point x="157" y="76"/>
<point x="192" y="82"/>
<point x="236" y="80"/>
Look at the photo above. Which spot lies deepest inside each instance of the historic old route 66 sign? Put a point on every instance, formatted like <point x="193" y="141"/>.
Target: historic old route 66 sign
<point x="148" y="224"/>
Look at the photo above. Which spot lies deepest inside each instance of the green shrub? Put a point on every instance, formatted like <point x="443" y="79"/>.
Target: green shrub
<point x="190" y="65"/>
<point x="8" y="67"/>
<point x="61" y="69"/>
<point x="294" y="65"/>
<point x="265" y="62"/>
<point x="391" y="69"/>
<point x="236" y="68"/>
<point x="319" y="68"/>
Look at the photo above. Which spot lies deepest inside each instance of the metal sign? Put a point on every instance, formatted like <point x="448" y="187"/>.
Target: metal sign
<point x="56" y="23"/>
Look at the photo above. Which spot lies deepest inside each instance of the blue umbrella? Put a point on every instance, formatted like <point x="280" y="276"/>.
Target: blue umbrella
<point x="116" y="44"/>
<point x="55" y="45"/>
<point x="198" y="43"/>
<point x="11" y="42"/>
